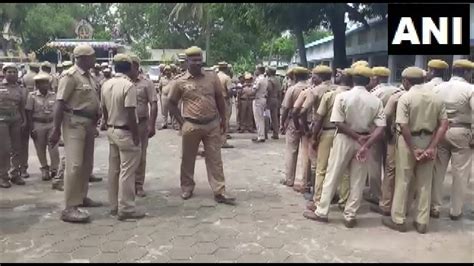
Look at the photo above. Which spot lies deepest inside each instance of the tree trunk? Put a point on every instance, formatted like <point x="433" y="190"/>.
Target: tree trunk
<point x="338" y="27"/>
<point x="300" y="44"/>
<point x="208" y="40"/>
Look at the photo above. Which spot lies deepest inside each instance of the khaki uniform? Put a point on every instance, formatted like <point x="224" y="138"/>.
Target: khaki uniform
<point x="77" y="90"/>
<point x="55" y="82"/>
<point x="434" y="82"/>
<point x="421" y="121"/>
<point x="326" y="139"/>
<point x="246" y="113"/>
<point x="11" y="104"/>
<point x="41" y="107"/>
<point x="28" y="81"/>
<point x="24" y="141"/>
<point x="201" y="124"/>
<point x="383" y="91"/>
<point x="458" y="96"/>
<point x="118" y="94"/>
<point x="146" y="94"/>
<point x="388" y="182"/>
<point x="164" y="90"/>
<point x="348" y="107"/>
<point x="273" y="103"/>
<point x="226" y="83"/>
<point x="293" y="136"/>
<point x="260" y="87"/>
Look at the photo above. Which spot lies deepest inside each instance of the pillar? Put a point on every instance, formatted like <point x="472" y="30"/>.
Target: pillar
<point x="371" y="61"/>
<point x="392" y="65"/>
<point x="420" y="61"/>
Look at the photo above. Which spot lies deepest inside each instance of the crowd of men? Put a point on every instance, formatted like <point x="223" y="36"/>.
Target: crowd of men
<point x="350" y="129"/>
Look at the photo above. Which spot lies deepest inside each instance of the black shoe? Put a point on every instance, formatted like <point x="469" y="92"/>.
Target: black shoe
<point x="387" y="221"/>
<point x="4" y="183"/>
<point x="350" y="223"/>
<point x="420" y="228"/>
<point x="275" y="137"/>
<point x="228" y="137"/>
<point x="371" y="199"/>
<point x="165" y="126"/>
<point x="434" y="214"/>
<point x="18" y="181"/>
<point x="258" y="140"/>
<point x="140" y="193"/>
<point x="335" y="199"/>
<point x="24" y="174"/>
<point x="186" y="195"/>
<point x="377" y="209"/>
<point x="57" y="186"/>
<point x="74" y="215"/>
<point x="223" y="198"/>
<point x="227" y="146"/>
<point x="113" y="212"/>
<point x="88" y="203"/>
<point x="455" y="218"/>
<point x="94" y="179"/>
<point x="313" y="216"/>
<point x="130" y="215"/>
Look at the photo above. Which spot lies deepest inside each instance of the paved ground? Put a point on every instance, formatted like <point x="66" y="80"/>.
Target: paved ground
<point x="266" y="226"/>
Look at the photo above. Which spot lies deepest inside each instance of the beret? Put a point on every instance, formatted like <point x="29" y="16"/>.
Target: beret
<point x="222" y="64"/>
<point x="9" y="65"/>
<point x="181" y="60"/>
<point x="96" y="65"/>
<point x="248" y="76"/>
<point x="300" y="70"/>
<point x="83" y="49"/>
<point x="364" y="71"/>
<point x="412" y="72"/>
<point x="67" y="63"/>
<point x="271" y="69"/>
<point x="182" y="55"/>
<point x="106" y="70"/>
<point x="35" y="64"/>
<point x="122" y="58"/>
<point x="59" y="65"/>
<point x="134" y="58"/>
<point x="360" y="62"/>
<point x="42" y="76"/>
<point x="438" y="64"/>
<point x="172" y="66"/>
<point x="104" y="64"/>
<point x="348" y="71"/>
<point x="381" y="71"/>
<point x="46" y="64"/>
<point x="166" y="67"/>
<point x="289" y="71"/>
<point x="161" y="65"/>
<point x="321" y="69"/>
<point x="193" y="50"/>
<point x="463" y="63"/>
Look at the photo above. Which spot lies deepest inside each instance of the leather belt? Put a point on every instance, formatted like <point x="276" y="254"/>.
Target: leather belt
<point x="329" y="128"/>
<point x="119" y="127"/>
<point x="363" y="133"/>
<point x="81" y="114"/>
<point x="43" y="120"/>
<point x="244" y="99"/>
<point x="199" y="122"/>
<point x="421" y="132"/>
<point x="463" y="125"/>
<point x="142" y="119"/>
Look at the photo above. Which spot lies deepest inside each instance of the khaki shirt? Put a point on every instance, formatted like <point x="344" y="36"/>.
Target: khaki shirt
<point x="28" y="81"/>
<point x="458" y="97"/>
<point x="293" y="93"/>
<point x="274" y="88"/>
<point x="41" y="105"/>
<point x="226" y="83"/>
<point x="146" y="94"/>
<point x="420" y="108"/>
<point x="260" y="87"/>
<point x="359" y="109"/>
<point x="315" y="94"/>
<point x="78" y="91"/>
<point x="54" y="82"/>
<point x="383" y="91"/>
<point x="327" y="103"/>
<point x="247" y="92"/>
<point x="118" y="93"/>
<point x="12" y="100"/>
<point x="198" y="94"/>
<point x="97" y="78"/>
<point x="163" y="85"/>
<point x="434" y="82"/>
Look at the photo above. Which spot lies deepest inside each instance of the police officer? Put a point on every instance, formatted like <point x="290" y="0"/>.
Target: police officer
<point x="458" y="97"/>
<point x="274" y="100"/>
<point x="28" y="81"/>
<point x="119" y="103"/>
<point x="12" y="120"/>
<point x="259" y="103"/>
<point x="163" y="88"/>
<point x="287" y="126"/>
<point x="77" y="110"/>
<point x="436" y="70"/>
<point x="246" y="97"/>
<point x="227" y="87"/>
<point x="67" y="65"/>
<point x="147" y="110"/>
<point x="203" y="112"/>
<point x="355" y="135"/>
<point x="421" y="130"/>
<point x="39" y="107"/>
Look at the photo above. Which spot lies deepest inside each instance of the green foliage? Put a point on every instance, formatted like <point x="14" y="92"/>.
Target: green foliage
<point x="315" y="34"/>
<point x="140" y="50"/>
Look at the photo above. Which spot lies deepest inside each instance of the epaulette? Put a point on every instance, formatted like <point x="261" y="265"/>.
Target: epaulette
<point x="178" y="76"/>
<point x="70" y="71"/>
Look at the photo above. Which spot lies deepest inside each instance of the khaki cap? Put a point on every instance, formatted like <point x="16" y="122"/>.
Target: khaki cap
<point x="35" y="64"/>
<point x="463" y="63"/>
<point x="83" y="50"/>
<point x="135" y="58"/>
<point x="173" y="66"/>
<point x="193" y="50"/>
<point x="347" y="71"/>
<point x="438" y="64"/>
<point x="381" y="71"/>
<point x="182" y="55"/>
<point x="122" y="58"/>
<point x="59" y="65"/>
<point x="360" y="70"/>
<point x="46" y="64"/>
<point x="300" y="70"/>
<point x="322" y="69"/>
<point x="412" y="72"/>
<point x="107" y="70"/>
<point x="42" y="76"/>
<point x="96" y="65"/>
<point x="67" y="63"/>
<point x="360" y="62"/>
<point x="289" y="71"/>
<point x="104" y="64"/>
<point x="222" y="64"/>
<point x="161" y="65"/>
<point x="248" y="76"/>
<point x="181" y="60"/>
<point x="9" y="65"/>
<point x="166" y="68"/>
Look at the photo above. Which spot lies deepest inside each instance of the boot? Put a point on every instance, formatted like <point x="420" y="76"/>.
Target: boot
<point x="53" y="174"/>
<point x="24" y="174"/>
<point x="17" y="180"/>
<point x="5" y="183"/>
<point x="57" y="186"/>
<point x="45" y="173"/>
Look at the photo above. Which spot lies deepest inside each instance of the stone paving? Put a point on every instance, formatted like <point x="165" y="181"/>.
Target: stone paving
<point x="265" y="226"/>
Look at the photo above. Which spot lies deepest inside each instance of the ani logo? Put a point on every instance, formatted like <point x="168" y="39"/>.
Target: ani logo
<point x="84" y="30"/>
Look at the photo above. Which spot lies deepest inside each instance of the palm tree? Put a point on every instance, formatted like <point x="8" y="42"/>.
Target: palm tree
<point x="199" y="12"/>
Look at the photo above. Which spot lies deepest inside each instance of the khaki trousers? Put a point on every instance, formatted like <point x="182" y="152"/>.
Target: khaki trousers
<point x="124" y="158"/>
<point x="375" y="168"/>
<point x="341" y="157"/>
<point x="258" y="112"/>
<point x="42" y="142"/>
<point x="228" y="113"/>
<point x="454" y="147"/>
<point x="210" y="135"/>
<point x="293" y="138"/>
<point x="24" y="150"/>
<point x="324" y="148"/>
<point x="238" y="109"/>
<point x="274" y="106"/>
<point x="141" y="170"/>
<point x="412" y="177"/>
<point x="246" y="114"/>
<point x="388" y="182"/>
<point x="59" y="178"/>
<point x="306" y="163"/>
<point x="9" y="147"/>
<point x="165" y="109"/>
<point x="79" y="135"/>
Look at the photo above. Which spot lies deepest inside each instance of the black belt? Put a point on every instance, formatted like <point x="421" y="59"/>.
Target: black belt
<point x="82" y="114"/>
<point x="142" y="119"/>
<point x="119" y="127"/>
<point x="421" y="132"/>
<point x="42" y="120"/>
<point x="242" y="99"/>
<point x="329" y="128"/>
<point x="199" y="122"/>
<point x="363" y="133"/>
<point x="464" y="125"/>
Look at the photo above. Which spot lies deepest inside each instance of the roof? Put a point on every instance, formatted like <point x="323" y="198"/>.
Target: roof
<point x="74" y="43"/>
